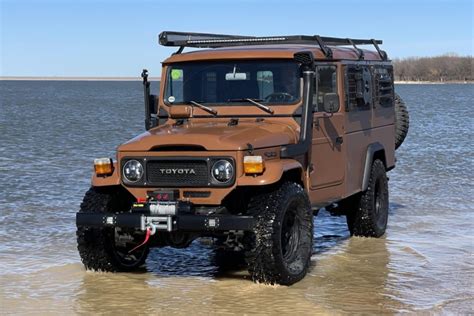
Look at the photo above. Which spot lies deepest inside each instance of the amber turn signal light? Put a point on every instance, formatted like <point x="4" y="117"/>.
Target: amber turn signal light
<point x="103" y="167"/>
<point x="253" y="164"/>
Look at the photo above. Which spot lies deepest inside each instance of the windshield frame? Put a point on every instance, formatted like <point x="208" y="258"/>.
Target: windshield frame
<point x="299" y="87"/>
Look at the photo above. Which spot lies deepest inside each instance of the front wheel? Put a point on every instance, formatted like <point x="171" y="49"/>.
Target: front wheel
<point x="370" y="214"/>
<point x="108" y="249"/>
<point x="282" y="241"/>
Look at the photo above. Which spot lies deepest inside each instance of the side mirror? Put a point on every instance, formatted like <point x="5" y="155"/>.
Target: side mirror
<point x="150" y="103"/>
<point x="331" y="102"/>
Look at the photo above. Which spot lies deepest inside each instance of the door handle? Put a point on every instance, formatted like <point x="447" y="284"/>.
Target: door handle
<point x="339" y="140"/>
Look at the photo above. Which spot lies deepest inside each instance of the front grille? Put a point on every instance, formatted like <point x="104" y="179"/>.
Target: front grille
<point x="177" y="173"/>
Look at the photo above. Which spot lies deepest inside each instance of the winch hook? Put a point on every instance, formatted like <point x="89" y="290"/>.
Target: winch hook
<point x="150" y="231"/>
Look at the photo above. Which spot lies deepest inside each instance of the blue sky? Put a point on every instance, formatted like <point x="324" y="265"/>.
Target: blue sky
<point x="119" y="38"/>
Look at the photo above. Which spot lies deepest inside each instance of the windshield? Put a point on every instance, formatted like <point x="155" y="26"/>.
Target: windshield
<point x="272" y="82"/>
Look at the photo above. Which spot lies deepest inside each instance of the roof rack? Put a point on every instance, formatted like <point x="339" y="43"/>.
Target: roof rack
<point x="206" y="40"/>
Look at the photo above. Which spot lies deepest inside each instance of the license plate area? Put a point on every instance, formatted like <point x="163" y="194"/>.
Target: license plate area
<point x="163" y="195"/>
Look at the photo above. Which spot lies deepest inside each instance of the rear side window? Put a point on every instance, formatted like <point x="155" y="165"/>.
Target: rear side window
<point x="358" y="88"/>
<point x="383" y="77"/>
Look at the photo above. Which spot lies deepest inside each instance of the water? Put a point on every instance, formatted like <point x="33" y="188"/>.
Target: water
<point x="51" y="131"/>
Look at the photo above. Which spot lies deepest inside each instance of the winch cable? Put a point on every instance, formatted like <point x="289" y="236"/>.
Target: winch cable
<point x="147" y="236"/>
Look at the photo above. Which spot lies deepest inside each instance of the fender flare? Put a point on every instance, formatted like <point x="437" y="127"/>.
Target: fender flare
<point x="274" y="170"/>
<point x="369" y="157"/>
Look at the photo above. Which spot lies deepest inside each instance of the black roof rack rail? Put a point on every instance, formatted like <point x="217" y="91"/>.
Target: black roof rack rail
<point x="206" y="40"/>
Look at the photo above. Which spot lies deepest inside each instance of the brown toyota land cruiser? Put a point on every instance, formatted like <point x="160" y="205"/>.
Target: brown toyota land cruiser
<point x="245" y="142"/>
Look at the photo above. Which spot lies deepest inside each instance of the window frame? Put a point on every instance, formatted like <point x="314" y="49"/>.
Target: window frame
<point x="388" y="83"/>
<point x="353" y="104"/>
<point x="315" y="104"/>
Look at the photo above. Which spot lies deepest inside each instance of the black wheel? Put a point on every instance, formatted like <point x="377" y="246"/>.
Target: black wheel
<point x="402" y="121"/>
<point x="369" y="218"/>
<point x="281" y="245"/>
<point x="107" y="249"/>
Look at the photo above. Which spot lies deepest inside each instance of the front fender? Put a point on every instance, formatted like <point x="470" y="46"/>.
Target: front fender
<point x="273" y="172"/>
<point x="113" y="179"/>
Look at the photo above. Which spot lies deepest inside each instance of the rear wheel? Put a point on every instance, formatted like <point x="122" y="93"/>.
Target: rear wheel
<point x="281" y="244"/>
<point x="108" y="249"/>
<point x="369" y="216"/>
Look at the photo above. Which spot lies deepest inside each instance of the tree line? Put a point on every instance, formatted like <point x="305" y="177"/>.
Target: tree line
<point x="440" y="68"/>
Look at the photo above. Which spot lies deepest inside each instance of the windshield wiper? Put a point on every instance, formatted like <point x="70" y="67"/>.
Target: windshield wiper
<point x="254" y="102"/>
<point x="203" y="107"/>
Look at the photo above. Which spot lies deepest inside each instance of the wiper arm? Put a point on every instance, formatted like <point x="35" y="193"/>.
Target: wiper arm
<point x="203" y="107"/>
<point x="256" y="103"/>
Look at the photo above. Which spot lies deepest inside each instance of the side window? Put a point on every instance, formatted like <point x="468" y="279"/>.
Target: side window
<point x="265" y="83"/>
<point x="383" y="77"/>
<point x="358" y="88"/>
<point x="325" y="82"/>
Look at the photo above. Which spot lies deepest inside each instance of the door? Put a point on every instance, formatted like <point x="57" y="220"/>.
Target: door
<point x="327" y="155"/>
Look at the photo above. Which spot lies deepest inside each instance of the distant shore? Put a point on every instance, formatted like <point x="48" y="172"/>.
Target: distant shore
<point x="434" y="82"/>
<point x="158" y="79"/>
<point x="76" y="78"/>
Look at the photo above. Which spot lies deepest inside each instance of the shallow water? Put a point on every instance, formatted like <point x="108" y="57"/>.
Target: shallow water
<point x="51" y="131"/>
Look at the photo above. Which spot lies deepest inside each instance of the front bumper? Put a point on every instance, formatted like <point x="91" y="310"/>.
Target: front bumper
<point x="180" y="222"/>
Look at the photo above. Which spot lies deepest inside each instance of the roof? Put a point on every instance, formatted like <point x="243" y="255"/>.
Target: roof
<point x="281" y="51"/>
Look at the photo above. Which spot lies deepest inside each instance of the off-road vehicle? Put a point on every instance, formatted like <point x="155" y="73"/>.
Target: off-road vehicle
<point x="245" y="142"/>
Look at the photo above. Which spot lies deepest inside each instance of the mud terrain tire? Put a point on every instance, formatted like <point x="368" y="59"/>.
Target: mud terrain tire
<point x="369" y="218"/>
<point x="282" y="242"/>
<point x="402" y="121"/>
<point x="97" y="245"/>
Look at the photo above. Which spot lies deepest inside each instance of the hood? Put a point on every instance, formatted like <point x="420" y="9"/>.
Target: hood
<point x="214" y="135"/>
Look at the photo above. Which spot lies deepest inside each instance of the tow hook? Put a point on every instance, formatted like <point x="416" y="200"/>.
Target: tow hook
<point x="150" y="231"/>
<point x="152" y="227"/>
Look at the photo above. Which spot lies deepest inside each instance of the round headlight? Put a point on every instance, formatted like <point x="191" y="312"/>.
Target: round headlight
<point x="133" y="171"/>
<point x="222" y="171"/>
